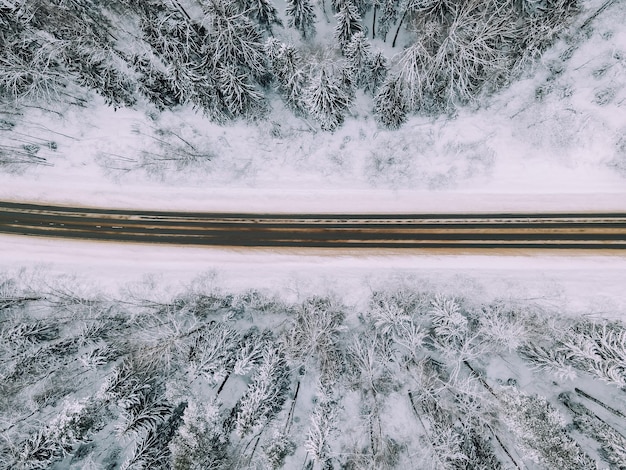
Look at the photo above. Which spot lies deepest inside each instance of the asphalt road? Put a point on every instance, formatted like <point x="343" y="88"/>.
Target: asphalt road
<point x="551" y="231"/>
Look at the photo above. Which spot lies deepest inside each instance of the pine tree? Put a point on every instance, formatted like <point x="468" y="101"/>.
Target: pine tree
<point x="612" y="443"/>
<point x="541" y="432"/>
<point x="102" y="72"/>
<point x="235" y="40"/>
<point x="266" y="394"/>
<point x="348" y="24"/>
<point x="378" y="72"/>
<point x="388" y="16"/>
<point x="360" y="60"/>
<point x="323" y="424"/>
<point x="265" y="13"/>
<point x="301" y="16"/>
<point x="337" y="5"/>
<point x="287" y="67"/>
<point x="390" y="104"/>
<point x="327" y="100"/>
<point x="363" y="6"/>
<point x="277" y="449"/>
<point x="240" y="96"/>
<point x="154" y="84"/>
<point x="201" y="441"/>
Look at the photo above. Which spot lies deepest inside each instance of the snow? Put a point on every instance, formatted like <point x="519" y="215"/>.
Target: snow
<point x="578" y="283"/>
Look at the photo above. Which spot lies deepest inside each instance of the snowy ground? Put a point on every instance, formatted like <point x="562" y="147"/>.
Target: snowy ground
<point x="581" y="282"/>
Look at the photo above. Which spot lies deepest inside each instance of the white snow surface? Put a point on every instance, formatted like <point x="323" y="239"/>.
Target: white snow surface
<point x="578" y="284"/>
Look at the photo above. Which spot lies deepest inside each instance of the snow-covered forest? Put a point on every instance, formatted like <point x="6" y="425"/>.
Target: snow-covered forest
<point x="226" y="94"/>
<point x="208" y="378"/>
<point x="230" y="59"/>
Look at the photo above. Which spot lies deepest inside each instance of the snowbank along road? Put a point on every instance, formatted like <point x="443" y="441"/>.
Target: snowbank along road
<point x="513" y="230"/>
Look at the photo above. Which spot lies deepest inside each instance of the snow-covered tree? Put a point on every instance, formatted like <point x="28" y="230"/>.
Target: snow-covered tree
<point x="201" y="441"/>
<point x="266" y="394"/>
<point x="277" y="449"/>
<point x="265" y="13"/>
<point x="359" y="56"/>
<point x="144" y="411"/>
<point x="348" y="23"/>
<point x="390" y="104"/>
<point x="378" y="72"/>
<point x="315" y="334"/>
<point x="322" y="425"/>
<point x="210" y="353"/>
<point x="612" y="444"/>
<point x="249" y="353"/>
<point x="235" y="40"/>
<point x="540" y="431"/>
<point x="154" y="83"/>
<point x="74" y="424"/>
<point x="363" y="6"/>
<point x="550" y="359"/>
<point x="287" y="67"/>
<point x="598" y="349"/>
<point x="301" y="16"/>
<point x="102" y="72"/>
<point x="327" y="100"/>
<point x="414" y="70"/>
<point x="240" y="96"/>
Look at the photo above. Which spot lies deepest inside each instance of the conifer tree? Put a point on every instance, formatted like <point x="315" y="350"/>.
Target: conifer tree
<point x="301" y="16"/>
<point x="265" y="13"/>
<point x="286" y="66"/>
<point x="378" y="72"/>
<point x="235" y="40"/>
<point x="390" y="104"/>
<point x="360" y="59"/>
<point x="201" y="441"/>
<point x="348" y="24"/>
<point x="240" y="96"/>
<point x="266" y="394"/>
<point x="541" y="431"/>
<point x="327" y="100"/>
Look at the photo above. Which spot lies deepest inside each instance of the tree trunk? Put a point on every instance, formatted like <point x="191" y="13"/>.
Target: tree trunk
<point x="481" y="380"/>
<point x="598" y="402"/>
<point x="395" y="38"/>
<point x="374" y="23"/>
<point x="182" y="9"/>
<point x="506" y="451"/>
<point x="219" y="390"/>
<point x="292" y="408"/>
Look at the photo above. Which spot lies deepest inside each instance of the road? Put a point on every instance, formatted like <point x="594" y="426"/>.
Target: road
<point x="551" y="231"/>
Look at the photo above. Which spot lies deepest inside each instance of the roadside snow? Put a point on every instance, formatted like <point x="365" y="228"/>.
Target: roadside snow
<point x="579" y="283"/>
